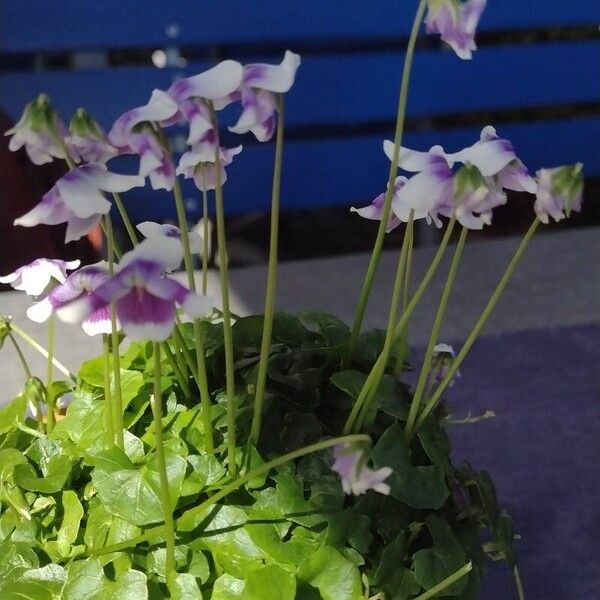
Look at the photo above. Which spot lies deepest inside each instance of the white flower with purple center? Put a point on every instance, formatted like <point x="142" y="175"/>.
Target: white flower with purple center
<point x="150" y="230"/>
<point x="357" y="478"/>
<point x="155" y="161"/>
<point x="456" y="22"/>
<point x="34" y="131"/>
<point x="199" y="163"/>
<point x="559" y="192"/>
<point x="77" y="286"/>
<point x="87" y="141"/>
<point x="260" y="83"/>
<point x="145" y="299"/>
<point x="77" y="199"/>
<point x="34" y="278"/>
<point x="443" y="355"/>
<point x="374" y="211"/>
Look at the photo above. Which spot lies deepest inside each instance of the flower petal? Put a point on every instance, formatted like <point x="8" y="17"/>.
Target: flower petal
<point x="213" y="84"/>
<point x="146" y="317"/>
<point x="274" y="78"/>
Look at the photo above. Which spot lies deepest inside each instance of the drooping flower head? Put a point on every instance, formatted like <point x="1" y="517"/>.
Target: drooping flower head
<point x="260" y="84"/>
<point x="374" y="211"/>
<point x="78" y="285"/>
<point x="199" y="163"/>
<point x="34" y="278"/>
<point x="456" y="22"/>
<point x="77" y="199"/>
<point x="144" y="297"/>
<point x="443" y="356"/>
<point x="87" y="141"/>
<point x="357" y="478"/>
<point x="559" y="192"/>
<point x="36" y="130"/>
<point x="150" y="230"/>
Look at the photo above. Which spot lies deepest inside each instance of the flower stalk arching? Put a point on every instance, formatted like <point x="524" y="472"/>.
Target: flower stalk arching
<point x="165" y="495"/>
<point x="435" y="332"/>
<point x="379" y="366"/>
<point x="446" y="583"/>
<point x="265" y="347"/>
<point x="227" y="330"/>
<point x="378" y="245"/>
<point x="158" y="531"/>
<point x="125" y="218"/>
<point x="434" y="399"/>
<point x="20" y="354"/>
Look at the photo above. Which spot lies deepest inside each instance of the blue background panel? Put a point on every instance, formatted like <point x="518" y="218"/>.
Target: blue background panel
<point x="27" y="25"/>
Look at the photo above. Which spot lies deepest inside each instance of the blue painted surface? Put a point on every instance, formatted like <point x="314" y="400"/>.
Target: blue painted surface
<point x="41" y="25"/>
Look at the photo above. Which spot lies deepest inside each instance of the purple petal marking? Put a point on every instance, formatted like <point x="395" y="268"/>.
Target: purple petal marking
<point x="146" y="317"/>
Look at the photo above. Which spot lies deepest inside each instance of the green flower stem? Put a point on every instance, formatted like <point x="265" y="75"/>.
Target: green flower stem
<point x="446" y="583"/>
<point x="176" y="369"/>
<point x="158" y="531"/>
<point x="27" y="338"/>
<point x="435" y="332"/>
<point x="205" y="242"/>
<point x="374" y="261"/>
<point x="116" y="394"/>
<point x="187" y="355"/>
<point x="165" y="495"/>
<point x="227" y="332"/>
<point x="267" y="331"/>
<point x="487" y="311"/>
<point x="402" y="340"/>
<point x="51" y="417"/>
<point x="198" y="341"/>
<point x="126" y="220"/>
<point x="392" y="317"/>
<point x="108" y="406"/>
<point x="518" y="583"/>
<point x="20" y="355"/>
<point x="380" y="362"/>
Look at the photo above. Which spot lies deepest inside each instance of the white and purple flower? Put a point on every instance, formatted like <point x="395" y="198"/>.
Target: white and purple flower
<point x="456" y="22"/>
<point x="78" y="285"/>
<point x="443" y="356"/>
<point x="199" y="163"/>
<point x="34" y="278"/>
<point x="87" y="141"/>
<point x="77" y="199"/>
<point x="259" y="86"/>
<point x="374" y="211"/>
<point x="356" y="477"/>
<point x="559" y="192"/>
<point x="150" y="230"/>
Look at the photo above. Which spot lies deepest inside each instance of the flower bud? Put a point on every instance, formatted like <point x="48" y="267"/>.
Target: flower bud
<point x="84" y="125"/>
<point x="35" y="394"/>
<point x="4" y="329"/>
<point x="559" y="192"/>
<point x="39" y="114"/>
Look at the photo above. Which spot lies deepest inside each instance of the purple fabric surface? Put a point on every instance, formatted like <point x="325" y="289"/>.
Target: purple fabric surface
<point x="542" y="451"/>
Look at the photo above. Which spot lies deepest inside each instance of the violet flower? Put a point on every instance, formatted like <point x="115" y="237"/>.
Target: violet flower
<point x="87" y="141"/>
<point x="35" y="277"/>
<point x="259" y="85"/>
<point x="145" y="299"/>
<point x="155" y="161"/>
<point x="443" y="355"/>
<point x="374" y="211"/>
<point x="77" y="199"/>
<point x="36" y="131"/>
<point x="357" y="478"/>
<point x="199" y="163"/>
<point x="559" y="192"/>
<point x="456" y="22"/>
<point x="150" y="230"/>
<point x="78" y="285"/>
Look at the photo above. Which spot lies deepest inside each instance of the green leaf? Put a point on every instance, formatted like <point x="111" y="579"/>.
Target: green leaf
<point x="69" y="528"/>
<point x="9" y="458"/>
<point x="83" y="423"/>
<point x="403" y="585"/>
<point x="334" y="576"/>
<point x="92" y="372"/>
<point x="228" y="588"/>
<point x="51" y="577"/>
<point x="433" y="565"/>
<point x="419" y="487"/>
<point x="184" y="587"/>
<point x="289" y="329"/>
<point x="270" y="582"/>
<point x="334" y="331"/>
<point x="11" y="413"/>
<point x="58" y="471"/>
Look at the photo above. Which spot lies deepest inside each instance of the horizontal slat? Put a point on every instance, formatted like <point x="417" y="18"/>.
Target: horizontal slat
<point x="353" y="89"/>
<point x="353" y="171"/>
<point x="30" y="25"/>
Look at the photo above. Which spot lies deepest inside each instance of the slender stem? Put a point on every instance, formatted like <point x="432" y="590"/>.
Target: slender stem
<point x="380" y="362"/>
<point x="198" y="341"/>
<point x="392" y="317"/>
<point x="27" y="338"/>
<point x="187" y="355"/>
<point x="165" y="495"/>
<point x="205" y="241"/>
<point x="487" y="311"/>
<point x="178" y="351"/>
<point x="20" y="355"/>
<point x="435" y="332"/>
<point x="518" y="583"/>
<point x="267" y="331"/>
<point x="446" y="583"/>
<point x="234" y="485"/>
<point x="402" y="344"/>
<point x="51" y="418"/>
<point x="227" y="332"/>
<point x="116" y="394"/>
<point x="176" y="369"/>
<point x="126" y="220"/>
<point x="108" y="407"/>
<point x="374" y="261"/>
